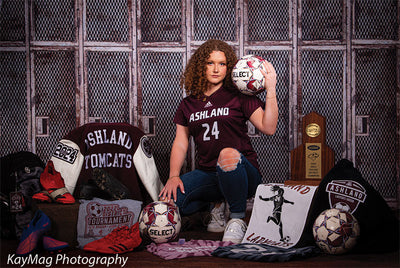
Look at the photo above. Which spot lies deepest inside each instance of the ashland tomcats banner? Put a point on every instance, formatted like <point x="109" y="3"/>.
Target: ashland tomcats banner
<point x="279" y="214"/>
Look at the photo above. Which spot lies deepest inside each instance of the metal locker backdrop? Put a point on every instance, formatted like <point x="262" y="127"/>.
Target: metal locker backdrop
<point x="67" y="63"/>
<point x="272" y="150"/>
<point x="375" y="96"/>
<point x="14" y="105"/>
<point x="54" y="97"/>
<point x="108" y="85"/>
<point x="161" y="94"/>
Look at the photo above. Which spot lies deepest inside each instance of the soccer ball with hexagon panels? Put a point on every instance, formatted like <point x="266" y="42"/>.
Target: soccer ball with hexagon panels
<point x="336" y="231"/>
<point x="160" y="222"/>
<point x="247" y="75"/>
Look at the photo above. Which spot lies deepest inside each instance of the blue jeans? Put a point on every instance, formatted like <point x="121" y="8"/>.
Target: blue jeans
<point x="203" y="187"/>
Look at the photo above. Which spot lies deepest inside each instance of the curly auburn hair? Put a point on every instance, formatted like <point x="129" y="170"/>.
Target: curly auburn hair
<point x="194" y="77"/>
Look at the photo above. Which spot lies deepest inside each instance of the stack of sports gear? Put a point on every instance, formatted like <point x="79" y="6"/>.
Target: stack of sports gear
<point x="99" y="217"/>
<point x="105" y="186"/>
<point x="20" y="173"/>
<point x="34" y="233"/>
<point x="54" y="187"/>
<point x="345" y="188"/>
<point x="120" y="240"/>
<point x="120" y="149"/>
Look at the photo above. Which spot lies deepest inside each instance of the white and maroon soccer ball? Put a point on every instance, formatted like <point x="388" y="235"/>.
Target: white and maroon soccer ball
<point x="247" y="75"/>
<point x="336" y="231"/>
<point x="342" y="206"/>
<point x="160" y="222"/>
<point x="95" y="209"/>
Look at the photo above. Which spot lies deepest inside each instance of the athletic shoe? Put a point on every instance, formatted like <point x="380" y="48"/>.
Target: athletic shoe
<point x="54" y="187"/>
<point x="42" y="197"/>
<point x="89" y="190"/>
<point x="110" y="185"/>
<point x="235" y="231"/>
<point x="39" y="224"/>
<point x="120" y="240"/>
<point x="51" y="244"/>
<point x="217" y="223"/>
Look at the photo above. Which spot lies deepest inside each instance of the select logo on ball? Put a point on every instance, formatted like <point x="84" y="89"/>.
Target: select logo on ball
<point x="157" y="232"/>
<point x="160" y="222"/>
<point x="241" y="74"/>
<point x="247" y="75"/>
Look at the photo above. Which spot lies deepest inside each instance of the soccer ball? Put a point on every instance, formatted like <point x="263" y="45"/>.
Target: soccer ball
<point x="342" y="206"/>
<point x="247" y="75"/>
<point x="95" y="209"/>
<point x="336" y="231"/>
<point x="160" y="222"/>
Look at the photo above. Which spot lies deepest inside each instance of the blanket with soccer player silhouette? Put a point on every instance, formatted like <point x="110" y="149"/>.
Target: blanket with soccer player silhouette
<point x="279" y="214"/>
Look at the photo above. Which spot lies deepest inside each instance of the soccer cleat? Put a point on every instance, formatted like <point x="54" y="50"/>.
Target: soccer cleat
<point x="235" y="231"/>
<point x="51" y="244"/>
<point x="110" y="185"/>
<point x="42" y="197"/>
<point x="217" y="223"/>
<point x="120" y="240"/>
<point x="54" y="187"/>
<point x="39" y="224"/>
<point x="90" y="190"/>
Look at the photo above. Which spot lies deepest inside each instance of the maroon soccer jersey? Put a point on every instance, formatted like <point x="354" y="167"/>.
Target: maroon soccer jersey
<point x="218" y="121"/>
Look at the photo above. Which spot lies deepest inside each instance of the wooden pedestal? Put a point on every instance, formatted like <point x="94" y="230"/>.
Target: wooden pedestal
<point x="313" y="159"/>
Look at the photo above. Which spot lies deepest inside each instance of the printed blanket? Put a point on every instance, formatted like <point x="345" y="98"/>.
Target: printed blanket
<point x="182" y="249"/>
<point x="279" y="214"/>
<point x="264" y="253"/>
<point x="98" y="217"/>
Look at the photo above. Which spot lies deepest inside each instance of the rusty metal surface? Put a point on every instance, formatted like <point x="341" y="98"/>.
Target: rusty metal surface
<point x="77" y="61"/>
<point x="375" y="96"/>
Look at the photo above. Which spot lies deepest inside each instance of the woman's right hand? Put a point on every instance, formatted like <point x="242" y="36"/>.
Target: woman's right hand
<point x="178" y="155"/>
<point x="170" y="189"/>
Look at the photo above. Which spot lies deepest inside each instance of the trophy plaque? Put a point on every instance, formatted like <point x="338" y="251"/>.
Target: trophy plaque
<point x="312" y="160"/>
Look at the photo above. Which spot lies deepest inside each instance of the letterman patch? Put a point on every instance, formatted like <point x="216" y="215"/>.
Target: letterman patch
<point x="146" y="146"/>
<point x="65" y="153"/>
<point x="346" y="194"/>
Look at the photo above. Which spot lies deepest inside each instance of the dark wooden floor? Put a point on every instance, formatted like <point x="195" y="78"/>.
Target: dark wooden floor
<point x="141" y="258"/>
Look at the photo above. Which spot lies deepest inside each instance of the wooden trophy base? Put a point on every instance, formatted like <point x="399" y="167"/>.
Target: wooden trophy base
<point x="313" y="159"/>
<point x="303" y="182"/>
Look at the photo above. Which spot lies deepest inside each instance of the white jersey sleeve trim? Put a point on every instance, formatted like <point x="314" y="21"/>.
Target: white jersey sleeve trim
<point x="147" y="170"/>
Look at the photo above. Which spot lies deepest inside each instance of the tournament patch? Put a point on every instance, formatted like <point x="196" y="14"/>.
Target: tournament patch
<point x="65" y="153"/>
<point x="98" y="217"/>
<point x="146" y="146"/>
<point x="279" y="214"/>
<point x="345" y="194"/>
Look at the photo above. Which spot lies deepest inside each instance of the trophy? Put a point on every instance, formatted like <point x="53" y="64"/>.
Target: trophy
<point x="312" y="160"/>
